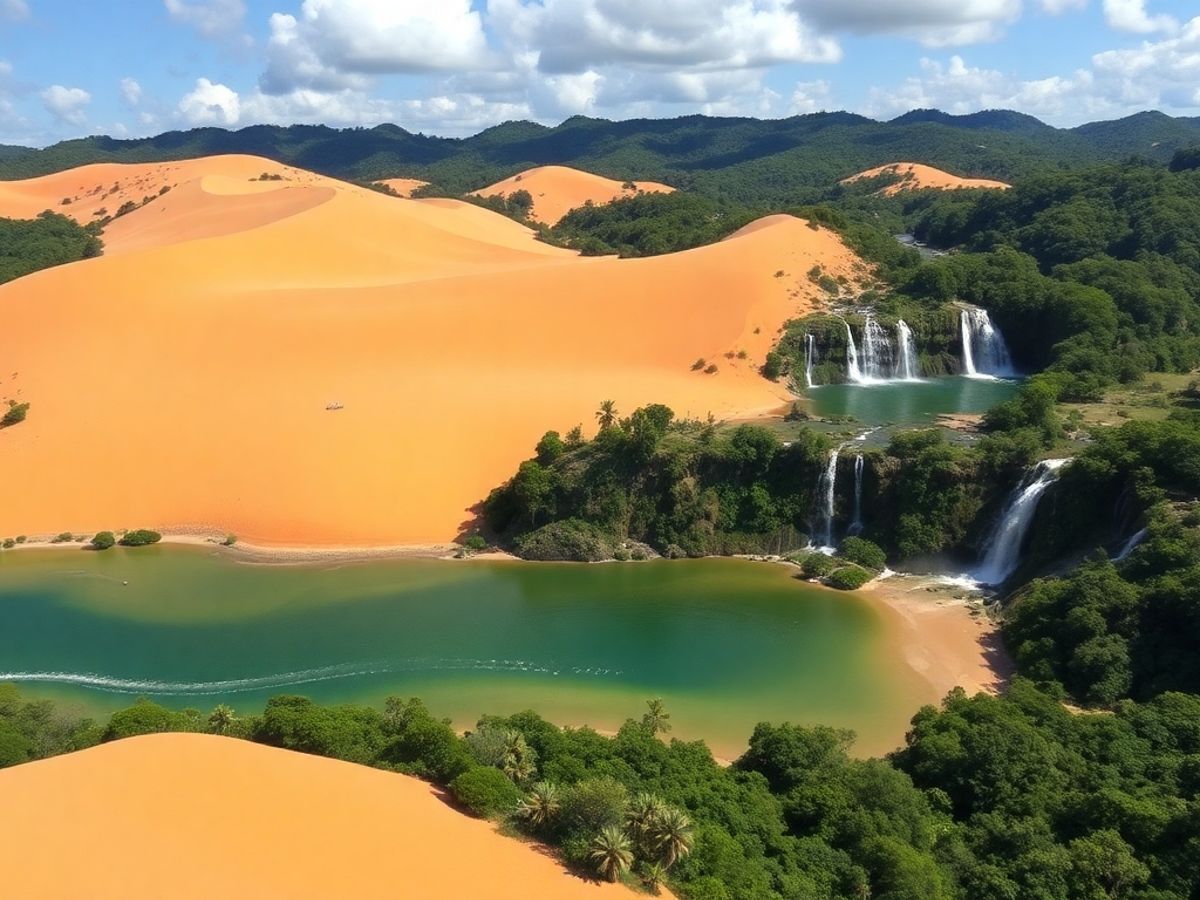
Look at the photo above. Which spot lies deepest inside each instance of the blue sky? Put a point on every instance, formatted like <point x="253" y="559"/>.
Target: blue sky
<point x="135" y="67"/>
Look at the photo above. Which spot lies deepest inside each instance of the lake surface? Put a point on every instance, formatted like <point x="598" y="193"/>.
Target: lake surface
<point x="726" y="643"/>
<point x="909" y="403"/>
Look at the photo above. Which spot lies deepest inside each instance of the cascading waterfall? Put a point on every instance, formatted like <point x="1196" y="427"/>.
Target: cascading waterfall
<point x="1130" y="545"/>
<point x="984" y="353"/>
<point x="857" y="524"/>
<point x="906" y="361"/>
<point x="810" y="356"/>
<point x="876" y="353"/>
<point x="827" y="489"/>
<point x="1003" y="548"/>
<point x="853" y="372"/>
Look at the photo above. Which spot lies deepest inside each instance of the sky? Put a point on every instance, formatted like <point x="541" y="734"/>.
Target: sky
<point x="129" y="68"/>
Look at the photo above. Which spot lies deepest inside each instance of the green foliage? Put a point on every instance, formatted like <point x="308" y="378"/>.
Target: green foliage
<point x="863" y="552"/>
<point x="140" y="537"/>
<point x="15" y="414"/>
<point x="147" y="717"/>
<point x="817" y="565"/>
<point x="476" y="543"/>
<point x="485" y="791"/>
<point x="103" y="540"/>
<point x="27" y="245"/>
<point x="849" y="578"/>
<point x="352" y="733"/>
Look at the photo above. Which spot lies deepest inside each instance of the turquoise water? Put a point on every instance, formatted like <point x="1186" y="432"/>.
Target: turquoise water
<point x="909" y="403"/>
<point x="727" y="643"/>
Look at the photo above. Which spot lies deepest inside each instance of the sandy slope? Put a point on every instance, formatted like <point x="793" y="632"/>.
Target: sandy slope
<point x="195" y="816"/>
<point x="183" y="378"/>
<point x="403" y="186"/>
<point x="915" y="176"/>
<point x="557" y="190"/>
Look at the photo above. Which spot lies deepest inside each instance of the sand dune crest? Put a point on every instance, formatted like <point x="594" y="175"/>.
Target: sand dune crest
<point x="917" y="176"/>
<point x="556" y="190"/>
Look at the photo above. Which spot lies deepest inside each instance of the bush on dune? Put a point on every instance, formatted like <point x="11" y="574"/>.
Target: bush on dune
<point x="140" y="537"/>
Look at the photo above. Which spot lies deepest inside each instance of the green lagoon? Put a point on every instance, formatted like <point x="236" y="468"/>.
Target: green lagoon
<point x="909" y="402"/>
<point x="727" y="643"/>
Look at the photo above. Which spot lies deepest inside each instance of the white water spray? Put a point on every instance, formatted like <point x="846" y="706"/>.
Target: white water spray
<point x="1131" y="544"/>
<point x="857" y="524"/>
<point x="906" y="363"/>
<point x="984" y="353"/>
<point x="827" y="489"/>
<point x="810" y="356"/>
<point x="853" y="372"/>
<point x="1003" y="548"/>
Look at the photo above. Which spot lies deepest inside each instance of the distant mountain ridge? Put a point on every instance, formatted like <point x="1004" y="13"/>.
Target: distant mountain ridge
<point x="749" y="160"/>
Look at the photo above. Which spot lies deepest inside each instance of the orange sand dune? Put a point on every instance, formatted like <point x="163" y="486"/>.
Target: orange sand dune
<point x="557" y="190"/>
<point x="183" y="379"/>
<point x="916" y="176"/>
<point x="403" y="186"/>
<point x="196" y="816"/>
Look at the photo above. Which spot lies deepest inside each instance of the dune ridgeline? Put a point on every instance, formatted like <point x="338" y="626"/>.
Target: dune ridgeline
<point x="556" y="190"/>
<point x="301" y="361"/>
<point x="191" y="815"/>
<point x="917" y="176"/>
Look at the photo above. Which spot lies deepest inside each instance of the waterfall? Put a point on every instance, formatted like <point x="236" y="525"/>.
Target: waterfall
<point x="985" y="355"/>
<point x="853" y="372"/>
<point x="857" y="524"/>
<point x="877" y="352"/>
<point x="1134" y="539"/>
<point x="1003" y="548"/>
<point x="810" y="355"/>
<point x="906" y="363"/>
<point x="827" y="489"/>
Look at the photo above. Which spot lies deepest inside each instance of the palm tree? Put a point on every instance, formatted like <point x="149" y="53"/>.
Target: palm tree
<point x="656" y="717"/>
<point x="607" y="414"/>
<point x="541" y="807"/>
<point x="654" y="876"/>
<point x="640" y="817"/>
<point x="221" y="719"/>
<point x="672" y="836"/>
<point x="611" y="853"/>
<point x="517" y="761"/>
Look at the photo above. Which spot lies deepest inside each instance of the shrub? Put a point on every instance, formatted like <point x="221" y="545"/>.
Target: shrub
<point x="20" y="538"/>
<point x="638" y="555"/>
<point x="16" y="414"/>
<point x="230" y="540"/>
<point x="140" y="537"/>
<point x="773" y="367"/>
<point x="621" y="554"/>
<point x="595" y="803"/>
<point x="475" y="542"/>
<point x="571" y="540"/>
<point x="65" y="538"/>
<point x="711" y="370"/>
<point x="817" y="565"/>
<point x="699" y="364"/>
<point x="485" y="791"/>
<point x="9" y="543"/>
<point x="144" y="717"/>
<point x="103" y="540"/>
<point x="849" y="578"/>
<point x="866" y="553"/>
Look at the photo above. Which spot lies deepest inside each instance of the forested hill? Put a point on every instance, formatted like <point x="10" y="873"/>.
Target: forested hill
<point x="747" y="160"/>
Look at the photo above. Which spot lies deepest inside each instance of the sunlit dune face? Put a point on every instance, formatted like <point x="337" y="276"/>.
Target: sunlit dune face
<point x="190" y="816"/>
<point x="556" y="190"/>
<point x="303" y="361"/>
<point x="916" y="176"/>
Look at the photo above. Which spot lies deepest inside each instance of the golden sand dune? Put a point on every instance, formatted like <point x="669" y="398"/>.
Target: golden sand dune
<point x="916" y="176"/>
<point x="196" y="816"/>
<point x="184" y="379"/>
<point x="403" y="186"/>
<point x="556" y="190"/>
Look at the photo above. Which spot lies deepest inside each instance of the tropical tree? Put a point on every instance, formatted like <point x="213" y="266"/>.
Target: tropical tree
<point x="607" y="414"/>
<point x="611" y="853"/>
<point x="221" y="719"/>
<point x="640" y="819"/>
<point x="656" y="718"/>
<point x="671" y="834"/>
<point x="541" y="807"/>
<point x="654" y="876"/>
<point x="518" y="759"/>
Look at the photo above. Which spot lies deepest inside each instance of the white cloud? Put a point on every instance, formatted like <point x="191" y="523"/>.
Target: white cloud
<point x="577" y="35"/>
<point x="14" y="10"/>
<point x="210" y="104"/>
<point x="217" y="19"/>
<point x="935" y="23"/>
<point x="67" y="104"/>
<point x="333" y="44"/>
<point x="131" y="91"/>
<point x="1131" y="15"/>
<point x="1057" y="7"/>
<point x="810" y="97"/>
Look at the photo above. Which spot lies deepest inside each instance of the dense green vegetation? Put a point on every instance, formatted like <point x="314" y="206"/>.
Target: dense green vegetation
<point x="989" y="798"/>
<point x="14" y="414"/>
<point x="140" y="537"/>
<point x="772" y="162"/>
<point x="27" y="245"/>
